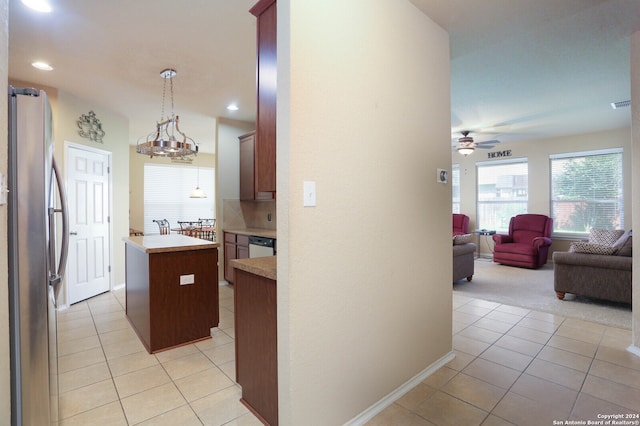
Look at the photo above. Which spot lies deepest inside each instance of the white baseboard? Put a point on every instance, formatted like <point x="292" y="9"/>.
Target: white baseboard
<point x="385" y="402"/>
<point x="118" y="287"/>
<point x="634" y="350"/>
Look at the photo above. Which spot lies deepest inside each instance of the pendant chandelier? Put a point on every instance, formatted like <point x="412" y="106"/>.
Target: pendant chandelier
<point x="198" y="193"/>
<point x="163" y="141"/>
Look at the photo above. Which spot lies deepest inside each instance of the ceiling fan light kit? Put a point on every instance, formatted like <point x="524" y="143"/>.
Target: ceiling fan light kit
<point x="466" y="144"/>
<point x="163" y="141"/>
<point x="465" y="150"/>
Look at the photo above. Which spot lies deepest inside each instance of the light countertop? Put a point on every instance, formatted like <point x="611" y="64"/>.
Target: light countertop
<point x="262" y="266"/>
<point x="258" y="232"/>
<point x="168" y="243"/>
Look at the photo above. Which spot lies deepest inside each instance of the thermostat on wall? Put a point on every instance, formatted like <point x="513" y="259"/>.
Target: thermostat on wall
<point x="442" y="176"/>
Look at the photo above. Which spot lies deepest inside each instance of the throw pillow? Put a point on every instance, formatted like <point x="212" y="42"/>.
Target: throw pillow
<point x="462" y="239"/>
<point x="591" y="248"/>
<point x="625" y="250"/>
<point x="605" y="237"/>
<point x="622" y="240"/>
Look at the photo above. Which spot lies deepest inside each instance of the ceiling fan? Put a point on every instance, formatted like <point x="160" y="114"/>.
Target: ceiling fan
<point x="466" y="144"/>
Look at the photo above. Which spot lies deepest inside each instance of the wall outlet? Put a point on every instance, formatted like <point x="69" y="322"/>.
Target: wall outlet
<point x="187" y="279"/>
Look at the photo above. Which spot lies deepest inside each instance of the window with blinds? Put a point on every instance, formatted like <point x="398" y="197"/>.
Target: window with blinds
<point x="587" y="191"/>
<point x="502" y="192"/>
<point x="455" y="187"/>
<point x="166" y="194"/>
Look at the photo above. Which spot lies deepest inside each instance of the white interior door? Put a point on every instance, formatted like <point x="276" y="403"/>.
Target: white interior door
<point x="88" y="270"/>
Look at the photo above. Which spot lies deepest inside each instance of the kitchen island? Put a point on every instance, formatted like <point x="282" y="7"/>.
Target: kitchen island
<point x="171" y="289"/>
<point x="256" y="335"/>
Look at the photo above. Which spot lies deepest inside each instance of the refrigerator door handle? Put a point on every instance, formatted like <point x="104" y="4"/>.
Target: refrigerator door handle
<point x="57" y="275"/>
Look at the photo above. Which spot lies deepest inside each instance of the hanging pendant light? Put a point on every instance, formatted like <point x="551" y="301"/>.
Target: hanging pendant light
<point x="197" y="192"/>
<point x="163" y="141"/>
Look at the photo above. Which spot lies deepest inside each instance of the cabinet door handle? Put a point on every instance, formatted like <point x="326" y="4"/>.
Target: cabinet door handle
<point x="73" y="233"/>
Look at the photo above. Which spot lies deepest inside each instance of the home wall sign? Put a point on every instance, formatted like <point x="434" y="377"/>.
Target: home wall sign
<point x="90" y="127"/>
<point x="499" y="154"/>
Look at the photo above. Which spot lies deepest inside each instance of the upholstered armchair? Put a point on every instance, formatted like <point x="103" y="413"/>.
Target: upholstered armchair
<point x="528" y="241"/>
<point x="460" y="224"/>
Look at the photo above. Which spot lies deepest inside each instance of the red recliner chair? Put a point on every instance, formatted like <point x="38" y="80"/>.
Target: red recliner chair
<point x="460" y="224"/>
<point x="528" y="241"/>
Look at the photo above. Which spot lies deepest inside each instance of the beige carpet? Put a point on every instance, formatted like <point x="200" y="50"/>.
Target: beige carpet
<point x="533" y="289"/>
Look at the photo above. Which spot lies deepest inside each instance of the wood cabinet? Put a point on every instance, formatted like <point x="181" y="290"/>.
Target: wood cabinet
<point x="249" y="177"/>
<point x="256" y="344"/>
<point x="266" y="64"/>
<point x="236" y="246"/>
<point x="171" y="289"/>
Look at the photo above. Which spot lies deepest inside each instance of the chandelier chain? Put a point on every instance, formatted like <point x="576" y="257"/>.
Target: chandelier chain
<point x="171" y="87"/>
<point x="164" y="91"/>
<point x="163" y="141"/>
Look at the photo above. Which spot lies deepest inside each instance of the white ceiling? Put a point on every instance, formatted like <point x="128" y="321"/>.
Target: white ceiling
<point x="533" y="69"/>
<point x="521" y="69"/>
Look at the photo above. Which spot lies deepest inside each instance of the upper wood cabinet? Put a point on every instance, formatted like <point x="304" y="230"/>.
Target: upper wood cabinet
<point x="265" y="138"/>
<point x="248" y="170"/>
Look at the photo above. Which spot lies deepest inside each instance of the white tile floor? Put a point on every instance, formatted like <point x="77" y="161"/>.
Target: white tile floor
<point x="512" y="366"/>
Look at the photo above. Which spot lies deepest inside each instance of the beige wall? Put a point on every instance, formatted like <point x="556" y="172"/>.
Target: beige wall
<point x="5" y="390"/>
<point x="537" y="154"/>
<point x="116" y="127"/>
<point x="228" y="149"/>
<point x="363" y="110"/>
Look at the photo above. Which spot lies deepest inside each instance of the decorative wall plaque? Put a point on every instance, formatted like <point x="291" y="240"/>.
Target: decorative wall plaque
<point x="90" y="127"/>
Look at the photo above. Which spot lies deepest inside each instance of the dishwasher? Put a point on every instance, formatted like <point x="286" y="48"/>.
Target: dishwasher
<point x="261" y="246"/>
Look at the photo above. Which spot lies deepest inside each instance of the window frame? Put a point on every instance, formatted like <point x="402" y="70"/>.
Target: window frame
<point x="576" y="155"/>
<point x="190" y="209"/>
<point x="479" y="202"/>
<point x="455" y="183"/>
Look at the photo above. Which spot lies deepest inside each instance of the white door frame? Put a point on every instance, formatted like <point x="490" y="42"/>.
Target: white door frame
<point x="73" y="145"/>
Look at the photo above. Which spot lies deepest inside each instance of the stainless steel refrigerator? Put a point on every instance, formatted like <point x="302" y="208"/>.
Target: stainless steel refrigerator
<point x="35" y="267"/>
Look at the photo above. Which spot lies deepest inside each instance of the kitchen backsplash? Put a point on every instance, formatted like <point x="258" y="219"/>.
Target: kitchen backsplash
<point x="238" y="214"/>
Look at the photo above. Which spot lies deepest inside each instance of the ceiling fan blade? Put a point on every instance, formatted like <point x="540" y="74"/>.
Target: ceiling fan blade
<point x="491" y="142"/>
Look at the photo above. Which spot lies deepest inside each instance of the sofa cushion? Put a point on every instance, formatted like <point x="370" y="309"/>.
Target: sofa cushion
<point x="625" y="249"/>
<point x="591" y="248"/>
<point x="606" y="237"/>
<point x="516" y="249"/>
<point x="462" y="239"/>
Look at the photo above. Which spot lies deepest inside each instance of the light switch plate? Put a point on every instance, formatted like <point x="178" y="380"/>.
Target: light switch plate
<point x="309" y="195"/>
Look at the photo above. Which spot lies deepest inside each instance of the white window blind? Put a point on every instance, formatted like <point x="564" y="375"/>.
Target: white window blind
<point x="166" y="194"/>
<point x="503" y="192"/>
<point x="455" y="187"/>
<point x="587" y="191"/>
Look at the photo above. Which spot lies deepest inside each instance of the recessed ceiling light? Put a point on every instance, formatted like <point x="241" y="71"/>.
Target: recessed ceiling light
<point x="38" y="5"/>
<point x="232" y="107"/>
<point x="42" y="66"/>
